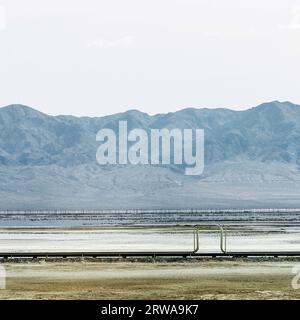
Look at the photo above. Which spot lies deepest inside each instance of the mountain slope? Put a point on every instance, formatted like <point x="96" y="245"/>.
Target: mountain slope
<point x="251" y="159"/>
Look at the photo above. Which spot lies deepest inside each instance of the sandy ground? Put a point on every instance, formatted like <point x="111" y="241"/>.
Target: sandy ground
<point x="197" y="279"/>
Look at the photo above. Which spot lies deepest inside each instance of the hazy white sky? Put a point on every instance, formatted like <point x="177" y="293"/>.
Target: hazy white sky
<point x="96" y="57"/>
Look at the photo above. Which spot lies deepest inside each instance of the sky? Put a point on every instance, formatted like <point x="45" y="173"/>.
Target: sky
<point x="98" y="57"/>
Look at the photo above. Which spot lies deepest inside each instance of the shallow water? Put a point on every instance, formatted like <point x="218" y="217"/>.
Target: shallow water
<point x="67" y="219"/>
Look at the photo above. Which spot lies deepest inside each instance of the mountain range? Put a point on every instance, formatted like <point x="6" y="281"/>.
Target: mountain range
<point x="252" y="159"/>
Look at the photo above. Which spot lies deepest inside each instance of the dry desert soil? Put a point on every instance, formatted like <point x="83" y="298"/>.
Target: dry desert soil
<point x="195" y="279"/>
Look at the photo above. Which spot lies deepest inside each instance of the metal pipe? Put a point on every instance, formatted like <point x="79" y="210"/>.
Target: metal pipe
<point x="225" y="228"/>
<point x="196" y="239"/>
<point x="223" y="235"/>
<point x="223" y="238"/>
